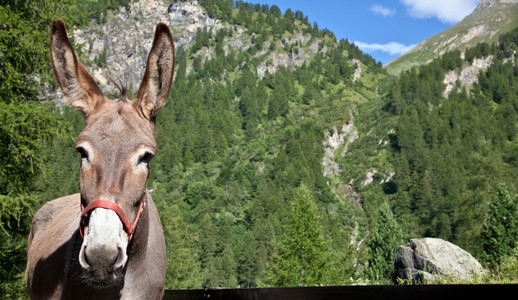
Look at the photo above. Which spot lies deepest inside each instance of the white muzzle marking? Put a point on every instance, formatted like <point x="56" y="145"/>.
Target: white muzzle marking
<point x="104" y="244"/>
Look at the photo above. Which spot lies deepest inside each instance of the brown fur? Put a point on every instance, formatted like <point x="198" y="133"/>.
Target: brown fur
<point x="115" y="131"/>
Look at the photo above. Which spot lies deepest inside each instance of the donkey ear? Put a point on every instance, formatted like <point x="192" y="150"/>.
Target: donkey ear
<point x="80" y="90"/>
<point x="156" y="84"/>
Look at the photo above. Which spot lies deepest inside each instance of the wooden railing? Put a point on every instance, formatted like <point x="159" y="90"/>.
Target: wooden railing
<point x="414" y="292"/>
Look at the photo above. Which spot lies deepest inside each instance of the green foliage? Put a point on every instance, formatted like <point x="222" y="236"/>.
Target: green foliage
<point x="24" y="128"/>
<point x="500" y="233"/>
<point x="25" y="125"/>
<point x="508" y="269"/>
<point x="98" y="9"/>
<point x="382" y="245"/>
<point x="184" y="271"/>
<point x="301" y="256"/>
<point x="15" y="216"/>
<point x="25" y="63"/>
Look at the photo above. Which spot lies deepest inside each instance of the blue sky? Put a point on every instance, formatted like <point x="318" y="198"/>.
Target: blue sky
<point x="385" y="29"/>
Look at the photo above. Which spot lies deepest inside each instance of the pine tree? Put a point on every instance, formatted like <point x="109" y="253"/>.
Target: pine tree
<point x="25" y="124"/>
<point x="385" y="240"/>
<point x="301" y="255"/>
<point x="183" y="265"/>
<point x="500" y="233"/>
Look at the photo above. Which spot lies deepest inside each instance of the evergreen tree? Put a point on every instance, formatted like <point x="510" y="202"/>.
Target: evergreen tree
<point x="500" y="233"/>
<point x="301" y="255"/>
<point x="382" y="245"/>
<point x="183" y="266"/>
<point x="25" y="124"/>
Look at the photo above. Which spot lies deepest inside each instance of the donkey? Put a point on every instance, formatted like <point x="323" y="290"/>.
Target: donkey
<point x="105" y="242"/>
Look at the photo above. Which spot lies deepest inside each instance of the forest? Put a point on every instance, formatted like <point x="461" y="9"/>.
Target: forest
<point x="239" y="179"/>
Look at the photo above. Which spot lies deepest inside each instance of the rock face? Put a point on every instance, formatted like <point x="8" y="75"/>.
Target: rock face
<point x="468" y="75"/>
<point x="120" y="45"/>
<point x="428" y="259"/>
<point x="332" y="142"/>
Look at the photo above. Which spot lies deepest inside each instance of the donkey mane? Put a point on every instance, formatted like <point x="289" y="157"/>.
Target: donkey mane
<point x="121" y="86"/>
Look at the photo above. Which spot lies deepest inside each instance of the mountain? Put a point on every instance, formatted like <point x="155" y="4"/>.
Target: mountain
<point x="486" y="23"/>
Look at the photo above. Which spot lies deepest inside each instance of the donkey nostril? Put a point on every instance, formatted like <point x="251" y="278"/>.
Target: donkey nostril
<point x="101" y="256"/>
<point x="83" y="261"/>
<point x="121" y="259"/>
<point x="86" y="257"/>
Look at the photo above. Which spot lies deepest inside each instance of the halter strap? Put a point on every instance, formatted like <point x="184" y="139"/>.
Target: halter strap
<point x="126" y="224"/>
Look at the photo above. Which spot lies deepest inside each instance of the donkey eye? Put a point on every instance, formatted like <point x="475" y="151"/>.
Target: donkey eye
<point x="145" y="158"/>
<point x="82" y="152"/>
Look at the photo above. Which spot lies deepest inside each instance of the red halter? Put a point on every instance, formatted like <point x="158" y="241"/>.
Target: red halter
<point x="128" y="227"/>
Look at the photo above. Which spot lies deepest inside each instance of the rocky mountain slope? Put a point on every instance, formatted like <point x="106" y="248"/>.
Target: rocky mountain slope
<point x="490" y="19"/>
<point x="120" y="44"/>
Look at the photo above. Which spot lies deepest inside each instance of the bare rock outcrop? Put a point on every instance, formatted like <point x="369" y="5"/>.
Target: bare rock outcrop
<point x="429" y="259"/>
<point x="343" y="137"/>
<point x="467" y="76"/>
<point x="120" y="44"/>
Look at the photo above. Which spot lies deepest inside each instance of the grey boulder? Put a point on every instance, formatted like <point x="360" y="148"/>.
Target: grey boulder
<point x="430" y="259"/>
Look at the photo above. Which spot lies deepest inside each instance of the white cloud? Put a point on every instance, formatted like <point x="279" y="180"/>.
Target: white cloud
<point x="393" y="48"/>
<point x="381" y="10"/>
<point x="447" y="11"/>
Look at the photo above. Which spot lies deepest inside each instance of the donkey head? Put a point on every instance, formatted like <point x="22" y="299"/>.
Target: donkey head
<point x="116" y="146"/>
